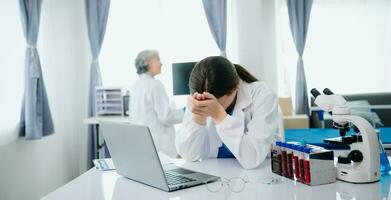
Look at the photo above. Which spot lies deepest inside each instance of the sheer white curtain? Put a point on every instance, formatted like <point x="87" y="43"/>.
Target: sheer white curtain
<point x="12" y="47"/>
<point x="177" y="29"/>
<point x="348" y="47"/>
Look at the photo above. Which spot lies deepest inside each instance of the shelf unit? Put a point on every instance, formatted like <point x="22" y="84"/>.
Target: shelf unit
<point x="109" y="101"/>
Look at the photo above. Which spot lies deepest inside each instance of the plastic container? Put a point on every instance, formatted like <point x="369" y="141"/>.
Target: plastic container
<point x="307" y="172"/>
<point x="296" y="169"/>
<point x="276" y="158"/>
<point x="283" y="159"/>
<point x="384" y="163"/>
<point x="289" y="167"/>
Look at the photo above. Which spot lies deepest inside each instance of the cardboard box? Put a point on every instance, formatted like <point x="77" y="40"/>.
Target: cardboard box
<point x="286" y="105"/>
<point x="296" y="121"/>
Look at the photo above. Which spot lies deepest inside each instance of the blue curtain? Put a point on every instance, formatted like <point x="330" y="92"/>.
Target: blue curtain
<point x="36" y="119"/>
<point x="97" y="12"/>
<point x="216" y="13"/>
<point x="299" y="16"/>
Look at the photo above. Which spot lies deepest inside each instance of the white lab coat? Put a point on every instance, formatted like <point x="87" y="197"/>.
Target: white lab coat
<point x="248" y="133"/>
<point x="149" y="106"/>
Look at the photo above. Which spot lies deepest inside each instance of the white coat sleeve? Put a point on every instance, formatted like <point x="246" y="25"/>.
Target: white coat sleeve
<point x="191" y="141"/>
<point x="251" y="146"/>
<point x="165" y="113"/>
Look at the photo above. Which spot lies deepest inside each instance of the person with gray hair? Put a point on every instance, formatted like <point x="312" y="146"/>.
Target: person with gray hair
<point x="149" y="103"/>
<point x="142" y="60"/>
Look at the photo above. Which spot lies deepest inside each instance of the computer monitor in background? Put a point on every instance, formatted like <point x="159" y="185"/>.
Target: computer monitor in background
<point x="180" y="75"/>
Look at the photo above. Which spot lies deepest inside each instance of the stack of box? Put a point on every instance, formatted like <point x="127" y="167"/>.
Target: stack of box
<point x="291" y="120"/>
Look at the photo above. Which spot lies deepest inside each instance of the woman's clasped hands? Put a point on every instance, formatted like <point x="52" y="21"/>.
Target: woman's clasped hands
<point x="205" y="105"/>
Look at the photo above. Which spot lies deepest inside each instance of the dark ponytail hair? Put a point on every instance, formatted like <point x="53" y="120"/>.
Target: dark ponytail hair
<point x="244" y="74"/>
<point x="218" y="76"/>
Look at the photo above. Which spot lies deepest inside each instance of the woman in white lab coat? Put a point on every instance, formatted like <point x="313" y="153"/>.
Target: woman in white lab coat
<point x="149" y="104"/>
<point x="230" y="115"/>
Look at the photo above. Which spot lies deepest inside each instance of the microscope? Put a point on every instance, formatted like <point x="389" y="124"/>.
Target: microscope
<point x="361" y="164"/>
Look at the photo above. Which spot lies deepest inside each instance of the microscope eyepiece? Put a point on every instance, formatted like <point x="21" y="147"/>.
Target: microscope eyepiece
<point x="327" y="91"/>
<point x="315" y="92"/>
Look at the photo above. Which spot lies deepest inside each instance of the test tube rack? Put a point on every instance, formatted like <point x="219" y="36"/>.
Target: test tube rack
<point x="307" y="164"/>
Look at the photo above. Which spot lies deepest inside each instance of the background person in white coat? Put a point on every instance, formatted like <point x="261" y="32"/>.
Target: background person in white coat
<point x="149" y="104"/>
<point x="230" y="115"/>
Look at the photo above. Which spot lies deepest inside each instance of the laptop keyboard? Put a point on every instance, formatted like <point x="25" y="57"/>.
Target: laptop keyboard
<point x="174" y="179"/>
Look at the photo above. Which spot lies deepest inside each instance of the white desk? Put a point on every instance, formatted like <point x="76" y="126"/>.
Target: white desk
<point x="94" y="121"/>
<point x="96" y="185"/>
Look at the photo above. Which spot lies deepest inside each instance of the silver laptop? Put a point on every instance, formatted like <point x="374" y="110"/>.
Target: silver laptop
<point x="135" y="157"/>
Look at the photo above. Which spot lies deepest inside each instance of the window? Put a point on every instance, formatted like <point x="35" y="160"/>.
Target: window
<point x="11" y="65"/>
<point x="348" y="47"/>
<point x="177" y="29"/>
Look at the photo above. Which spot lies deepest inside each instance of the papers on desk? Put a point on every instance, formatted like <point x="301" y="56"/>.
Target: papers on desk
<point x="104" y="164"/>
<point x="165" y="159"/>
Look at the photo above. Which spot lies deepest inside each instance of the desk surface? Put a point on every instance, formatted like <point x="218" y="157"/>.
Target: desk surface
<point x="97" y="119"/>
<point x="98" y="185"/>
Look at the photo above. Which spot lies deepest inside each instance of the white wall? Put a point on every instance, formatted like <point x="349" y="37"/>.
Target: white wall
<point x="31" y="169"/>
<point x="255" y="38"/>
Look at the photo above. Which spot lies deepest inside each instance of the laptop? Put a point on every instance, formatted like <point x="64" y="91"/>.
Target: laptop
<point x="135" y="157"/>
